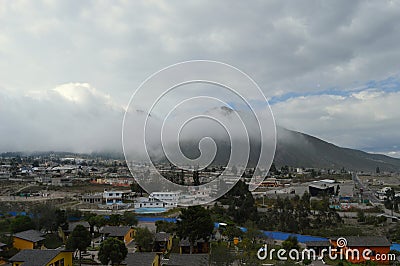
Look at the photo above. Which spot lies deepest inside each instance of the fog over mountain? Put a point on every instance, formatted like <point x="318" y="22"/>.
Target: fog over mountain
<point x="292" y="148"/>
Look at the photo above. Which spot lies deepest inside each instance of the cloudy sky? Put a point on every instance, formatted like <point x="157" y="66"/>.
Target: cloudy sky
<point x="68" y="68"/>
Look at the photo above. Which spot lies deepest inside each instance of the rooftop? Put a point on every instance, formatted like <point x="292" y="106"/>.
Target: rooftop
<point x="367" y="241"/>
<point x="187" y="259"/>
<point x="30" y="235"/>
<point x="162" y="236"/>
<point x="35" y="257"/>
<point x="116" y="231"/>
<point x="140" y="258"/>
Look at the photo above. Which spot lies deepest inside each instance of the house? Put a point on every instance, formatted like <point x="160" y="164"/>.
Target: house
<point x="318" y="246"/>
<point x="200" y="246"/>
<point x="143" y="259"/>
<point x="47" y="257"/>
<point x="72" y="225"/>
<point x="379" y="245"/>
<point x="186" y="259"/>
<point x="162" y="242"/>
<point x="113" y="197"/>
<point x="159" y="200"/>
<point x="123" y="233"/>
<point x="30" y="239"/>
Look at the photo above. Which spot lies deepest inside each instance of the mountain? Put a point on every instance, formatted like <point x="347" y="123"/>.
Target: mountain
<point x="302" y="150"/>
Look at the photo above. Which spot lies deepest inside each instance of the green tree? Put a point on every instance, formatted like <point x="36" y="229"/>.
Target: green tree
<point x="21" y="223"/>
<point x="220" y="255"/>
<point x="112" y="250"/>
<point x="361" y="216"/>
<point x="232" y="231"/>
<point x="144" y="239"/>
<point x="129" y="218"/>
<point x="196" y="178"/>
<point x="135" y="187"/>
<point x="252" y="233"/>
<point x="115" y="219"/>
<point x="273" y="169"/>
<point x="195" y="223"/>
<point x="97" y="221"/>
<point x="79" y="239"/>
<point x="290" y="243"/>
<point x="164" y="226"/>
<point x="48" y="217"/>
<point x="242" y="206"/>
<point x="91" y="219"/>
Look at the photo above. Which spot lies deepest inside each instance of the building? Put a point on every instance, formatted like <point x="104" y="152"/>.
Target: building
<point x="123" y="233"/>
<point x="318" y="246"/>
<point x="320" y="188"/>
<point x="96" y="198"/>
<point x="200" y="246"/>
<point x="162" y="242"/>
<point x="61" y="182"/>
<point x="113" y="197"/>
<point x="159" y="200"/>
<point x="382" y="193"/>
<point x="72" y="225"/>
<point x="30" y="239"/>
<point x="172" y="197"/>
<point x="379" y="245"/>
<point x="47" y="257"/>
<point x="152" y="203"/>
<point x="186" y="259"/>
<point x="174" y="259"/>
<point x="143" y="259"/>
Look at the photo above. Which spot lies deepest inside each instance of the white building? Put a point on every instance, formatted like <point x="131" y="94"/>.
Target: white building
<point x="113" y="197"/>
<point x="172" y="197"/>
<point x="159" y="200"/>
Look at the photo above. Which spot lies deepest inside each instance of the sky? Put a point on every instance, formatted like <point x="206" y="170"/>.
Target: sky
<point x="69" y="68"/>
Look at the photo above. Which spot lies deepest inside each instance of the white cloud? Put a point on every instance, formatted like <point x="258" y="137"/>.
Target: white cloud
<point x="366" y="120"/>
<point x="284" y="46"/>
<point x="71" y="117"/>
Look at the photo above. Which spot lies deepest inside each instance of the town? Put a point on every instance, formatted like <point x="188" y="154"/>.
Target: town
<point x="70" y="209"/>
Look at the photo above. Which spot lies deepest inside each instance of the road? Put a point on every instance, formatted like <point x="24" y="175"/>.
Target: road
<point x="367" y="193"/>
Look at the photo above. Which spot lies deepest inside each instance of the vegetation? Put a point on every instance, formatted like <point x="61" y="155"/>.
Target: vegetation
<point x="144" y="239"/>
<point x="52" y="241"/>
<point x="129" y="218"/>
<point x="164" y="226"/>
<point x="195" y="223"/>
<point x="295" y="215"/>
<point x="112" y="250"/>
<point x="242" y="206"/>
<point x="79" y="239"/>
<point x="221" y="255"/>
<point x="21" y="223"/>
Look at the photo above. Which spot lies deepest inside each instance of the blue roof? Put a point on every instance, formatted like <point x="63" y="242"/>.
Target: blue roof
<point x="155" y="219"/>
<point x="395" y="247"/>
<point x="300" y="238"/>
<point x="17" y="213"/>
<point x="283" y="236"/>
